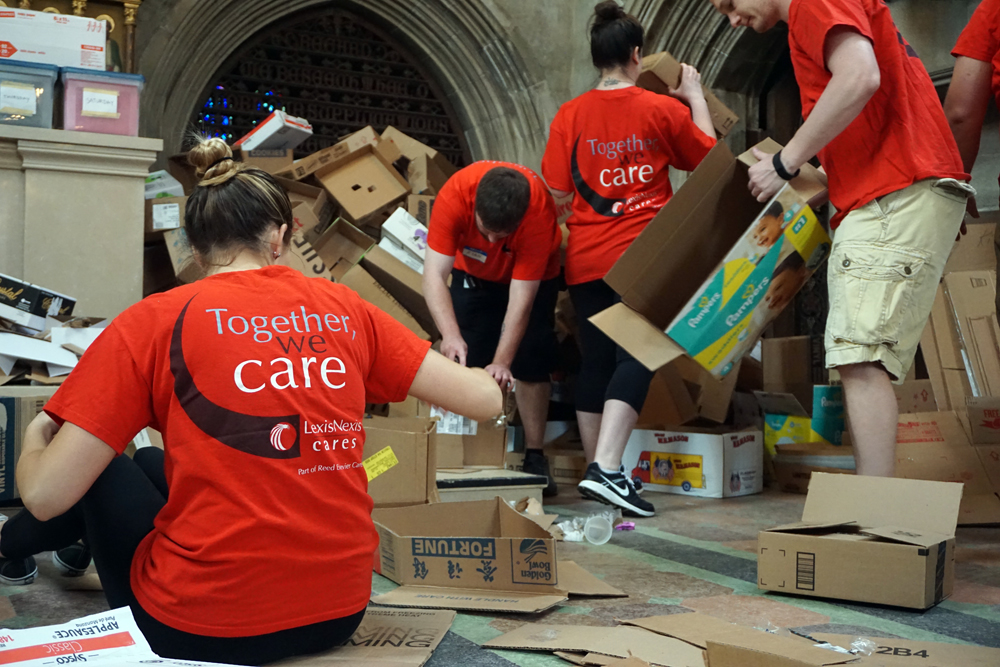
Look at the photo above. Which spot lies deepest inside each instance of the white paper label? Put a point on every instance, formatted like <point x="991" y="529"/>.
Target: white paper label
<point x="452" y="424"/>
<point x="141" y="440"/>
<point x="99" y="102"/>
<point x="166" y="216"/>
<point x="18" y="98"/>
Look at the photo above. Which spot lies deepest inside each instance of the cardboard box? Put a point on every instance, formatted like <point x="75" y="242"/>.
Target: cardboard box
<point x="181" y="171"/>
<point x="703" y="463"/>
<point x="915" y="396"/>
<point x="365" y="185"/>
<point x="672" y="259"/>
<point x="400" y="253"/>
<point x="52" y="39"/>
<point x="712" y="396"/>
<point x="984" y="420"/>
<point x="454" y="548"/>
<point x="425" y="176"/>
<point x="975" y="251"/>
<point x="972" y="296"/>
<point x="341" y="246"/>
<point x="512" y="486"/>
<point x="412" y="149"/>
<point x="271" y="160"/>
<point x="317" y="201"/>
<point x="406" y="232"/>
<point x="371" y="291"/>
<point x="786" y="365"/>
<point x="302" y="257"/>
<point x="420" y="207"/>
<point x="181" y="256"/>
<point x="867" y="539"/>
<point x="18" y="406"/>
<point x="661" y="72"/>
<point x="669" y="401"/>
<point x="466" y="443"/>
<point x="163" y="214"/>
<point x="163" y="184"/>
<point x="279" y="131"/>
<point x="28" y="305"/>
<point x="404" y="284"/>
<point x="300" y="169"/>
<point x="413" y="442"/>
<point x="566" y="465"/>
<point x="794" y="464"/>
<point x="396" y="637"/>
<point x="787" y="422"/>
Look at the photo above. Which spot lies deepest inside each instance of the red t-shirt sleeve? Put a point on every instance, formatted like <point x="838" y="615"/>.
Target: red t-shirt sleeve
<point x="534" y="249"/>
<point x="449" y="217"/>
<point x="106" y="394"/>
<point x="555" y="161"/>
<point x="822" y="16"/>
<point x="979" y="38"/>
<point x="396" y="355"/>
<point x="688" y="144"/>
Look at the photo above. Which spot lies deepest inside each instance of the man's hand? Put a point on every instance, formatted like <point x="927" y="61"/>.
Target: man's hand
<point x="764" y="180"/>
<point x="690" y="86"/>
<point x="502" y="375"/>
<point x="454" y="349"/>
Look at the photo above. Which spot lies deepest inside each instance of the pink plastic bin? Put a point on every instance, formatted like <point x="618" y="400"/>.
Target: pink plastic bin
<point x="106" y="102"/>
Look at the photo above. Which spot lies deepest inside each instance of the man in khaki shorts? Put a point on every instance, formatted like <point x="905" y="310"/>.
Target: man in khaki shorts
<point x="896" y="179"/>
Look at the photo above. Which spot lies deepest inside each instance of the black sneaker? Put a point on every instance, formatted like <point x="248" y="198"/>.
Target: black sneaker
<point x="72" y="561"/>
<point x="613" y="489"/>
<point x="18" y="571"/>
<point x="634" y="481"/>
<point x="535" y="463"/>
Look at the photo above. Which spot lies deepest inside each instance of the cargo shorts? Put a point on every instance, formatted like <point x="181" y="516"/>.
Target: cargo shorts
<point x="884" y="269"/>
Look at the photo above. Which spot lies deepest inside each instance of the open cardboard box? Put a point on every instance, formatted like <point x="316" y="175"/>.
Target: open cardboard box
<point x="679" y="254"/>
<point x="412" y="149"/>
<point x="365" y="185"/>
<point x="315" y="199"/>
<point x="28" y="305"/>
<point x="162" y="214"/>
<point x="403" y="283"/>
<point x="373" y="292"/>
<point x="661" y="72"/>
<point x="411" y="481"/>
<point x="480" y="555"/>
<point x="302" y="257"/>
<point x="341" y="246"/>
<point x="271" y="160"/>
<point x="310" y="164"/>
<point x="869" y="539"/>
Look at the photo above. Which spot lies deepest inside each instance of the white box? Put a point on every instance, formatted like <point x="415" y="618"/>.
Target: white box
<point x="162" y="184"/>
<point x="406" y="232"/>
<point x="702" y="464"/>
<point x="279" y="131"/>
<point x="401" y="254"/>
<point x="52" y="39"/>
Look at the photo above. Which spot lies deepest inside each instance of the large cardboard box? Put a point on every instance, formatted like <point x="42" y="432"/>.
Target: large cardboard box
<point x="787" y="422"/>
<point x="271" y="160"/>
<point x="52" y="38"/>
<point x="975" y="251"/>
<point x="181" y="256"/>
<point x="163" y="214"/>
<point x="706" y="463"/>
<point x="413" y="149"/>
<point x="403" y="283"/>
<point x="466" y="443"/>
<point x="407" y="233"/>
<point x="365" y="185"/>
<point x="787" y="367"/>
<point x="984" y="420"/>
<point x="300" y="169"/>
<point x="341" y="246"/>
<point x="18" y="406"/>
<point x="867" y="539"/>
<point x="278" y="132"/>
<point x="28" y="305"/>
<point x="386" y="638"/>
<point x="794" y="464"/>
<point x="673" y="259"/>
<point x="425" y="176"/>
<point x="316" y="199"/>
<point x="972" y="296"/>
<point x="302" y="257"/>
<point x="483" y="545"/>
<point x="420" y="207"/>
<point x="371" y="291"/>
<point x="413" y="442"/>
<point x="661" y="72"/>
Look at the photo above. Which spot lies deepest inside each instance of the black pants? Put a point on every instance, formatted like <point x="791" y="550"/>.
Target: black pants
<point x="480" y="307"/>
<point x="113" y="517"/>
<point x="606" y="370"/>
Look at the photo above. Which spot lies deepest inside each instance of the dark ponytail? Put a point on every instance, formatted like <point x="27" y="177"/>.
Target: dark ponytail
<point x="613" y="36"/>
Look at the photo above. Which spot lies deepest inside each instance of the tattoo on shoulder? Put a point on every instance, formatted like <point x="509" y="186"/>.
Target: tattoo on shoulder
<point x="610" y="82"/>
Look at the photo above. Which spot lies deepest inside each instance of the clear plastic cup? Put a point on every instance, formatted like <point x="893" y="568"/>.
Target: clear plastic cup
<point x="598" y="529"/>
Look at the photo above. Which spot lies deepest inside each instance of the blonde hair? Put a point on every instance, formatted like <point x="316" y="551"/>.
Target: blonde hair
<point x="234" y="205"/>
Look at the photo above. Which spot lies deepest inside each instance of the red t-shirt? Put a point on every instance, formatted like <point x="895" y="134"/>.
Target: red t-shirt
<point x="902" y="135"/>
<point x="258" y="381"/>
<point x="530" y="253"/>
<point x="981" y="40"/>
<point x="612" y="148"/>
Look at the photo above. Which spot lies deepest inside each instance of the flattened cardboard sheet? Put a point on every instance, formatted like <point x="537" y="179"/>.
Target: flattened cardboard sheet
<point x="906" y="652"/>
<point x="431" y="597"/>
<point x="773" y="651"/>
<point x="579" y="583"/>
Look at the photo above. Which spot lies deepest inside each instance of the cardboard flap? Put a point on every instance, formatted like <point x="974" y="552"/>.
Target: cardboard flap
<point x="805" y="527"/>
<point x="695" y="629"/>
<point x="579" y="583"/>
<point x="432" y="597"/>
<point x="937" y="653"/>
<point x="775" y="403"/>
<point x="781" y="652"/>
<point x="810" y="183"/>
<point x="637" y="336"/>
<point x="906" y="535"/>
<point x="930" y="507"/>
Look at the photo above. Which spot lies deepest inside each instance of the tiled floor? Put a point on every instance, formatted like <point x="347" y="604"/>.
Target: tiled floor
<point x="695" y="555"/>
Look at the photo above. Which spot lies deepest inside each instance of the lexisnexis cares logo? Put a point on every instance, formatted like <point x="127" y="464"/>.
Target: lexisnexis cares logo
<point x="279" y="439"/>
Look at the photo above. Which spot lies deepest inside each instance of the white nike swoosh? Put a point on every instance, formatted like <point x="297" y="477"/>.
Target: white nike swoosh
<point x="623" y="494"/>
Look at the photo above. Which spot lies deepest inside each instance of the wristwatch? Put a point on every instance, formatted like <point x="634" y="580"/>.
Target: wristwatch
<point x="779" y="168"/>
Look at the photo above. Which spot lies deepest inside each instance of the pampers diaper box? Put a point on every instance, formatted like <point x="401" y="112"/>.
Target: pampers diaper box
<point x="786" y="422"/>
<point x="707" y="463"/>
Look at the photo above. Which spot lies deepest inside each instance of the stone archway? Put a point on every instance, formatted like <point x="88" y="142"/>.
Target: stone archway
<point x="463" y="45"/>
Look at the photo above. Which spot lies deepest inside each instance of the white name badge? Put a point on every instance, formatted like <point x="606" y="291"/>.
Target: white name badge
<point x="18" y="99"/>
<point x="99" y="103"/>
<point x="474" y="253"/>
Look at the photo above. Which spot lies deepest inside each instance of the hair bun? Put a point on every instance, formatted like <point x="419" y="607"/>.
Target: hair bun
<point x="208" y="157"/>
<point x="607" y="11"/>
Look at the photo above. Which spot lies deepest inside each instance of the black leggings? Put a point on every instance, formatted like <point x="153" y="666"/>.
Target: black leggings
<point x="113" y="518"/>
<point x="606" y="371"/>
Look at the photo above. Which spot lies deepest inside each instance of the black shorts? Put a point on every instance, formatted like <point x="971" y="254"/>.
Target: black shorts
<point x="480" y="308"/>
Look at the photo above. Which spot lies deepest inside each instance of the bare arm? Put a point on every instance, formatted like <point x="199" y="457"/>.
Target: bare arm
<point x="437" y="268"/>
<point x="966" y="105"/>
<point x="855" y="78"/>
<point x="689" y="90"/>
<point x="58" y="465"/>
<point x="470" y="392"/>
<point x="515" y="323"/>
